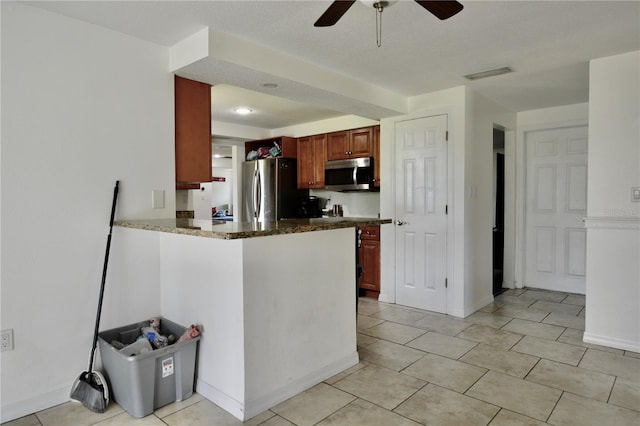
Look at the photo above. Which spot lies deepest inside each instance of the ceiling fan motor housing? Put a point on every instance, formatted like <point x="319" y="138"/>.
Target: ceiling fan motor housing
<point x="378" y="4"/>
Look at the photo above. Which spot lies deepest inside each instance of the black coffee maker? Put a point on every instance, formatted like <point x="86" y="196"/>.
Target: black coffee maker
<point x="309" y="206"/>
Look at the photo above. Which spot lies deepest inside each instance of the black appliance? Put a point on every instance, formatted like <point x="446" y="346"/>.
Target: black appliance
<point x="309" y="207"/>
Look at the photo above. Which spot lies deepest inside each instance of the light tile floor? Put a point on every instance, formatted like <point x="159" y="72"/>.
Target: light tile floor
<point x="517" y="361"/>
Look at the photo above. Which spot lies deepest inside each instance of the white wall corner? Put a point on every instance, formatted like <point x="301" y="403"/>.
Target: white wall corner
<point x="189" y="50"/>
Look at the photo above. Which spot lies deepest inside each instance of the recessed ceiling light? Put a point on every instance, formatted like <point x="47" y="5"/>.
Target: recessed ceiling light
<point x="243" y="110"/>
<point x="488" y="73"/>
<point x="269" y="85"/>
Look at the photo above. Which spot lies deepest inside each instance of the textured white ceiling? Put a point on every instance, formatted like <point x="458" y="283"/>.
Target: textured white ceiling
<point x="547" y="43"/>
<point x="268" y="111"/>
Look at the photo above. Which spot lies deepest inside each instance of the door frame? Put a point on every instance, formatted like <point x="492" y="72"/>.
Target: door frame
<point x="388" y="196"/>
<point x="521" y="190"/>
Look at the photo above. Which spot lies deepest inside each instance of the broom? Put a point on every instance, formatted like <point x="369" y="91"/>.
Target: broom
<point x="90" y="388"/>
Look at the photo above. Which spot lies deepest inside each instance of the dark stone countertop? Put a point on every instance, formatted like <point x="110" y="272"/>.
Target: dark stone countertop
<point x="237" y="230"/>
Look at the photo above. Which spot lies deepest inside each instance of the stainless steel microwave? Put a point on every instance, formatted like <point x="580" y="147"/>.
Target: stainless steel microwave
<point x="353" y="174"/>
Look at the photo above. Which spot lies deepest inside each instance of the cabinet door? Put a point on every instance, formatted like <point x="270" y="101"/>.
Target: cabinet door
<point x="319" y="158"/>
<point x="361" y="143"/>
<point x="306" y="163"/>
<point x="376" y="156"/>
<point x="370" y="261"/>
<point x="192" y="131"/>
<point x="337" y="145"/>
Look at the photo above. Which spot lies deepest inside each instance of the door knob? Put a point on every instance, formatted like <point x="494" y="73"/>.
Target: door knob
<point x="400" y="223"/>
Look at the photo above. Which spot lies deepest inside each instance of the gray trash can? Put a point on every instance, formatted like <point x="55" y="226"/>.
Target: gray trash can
<point x="141" y="383"/>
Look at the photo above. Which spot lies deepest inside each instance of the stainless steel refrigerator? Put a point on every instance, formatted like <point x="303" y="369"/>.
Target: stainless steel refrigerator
<point x="270" y="189"/>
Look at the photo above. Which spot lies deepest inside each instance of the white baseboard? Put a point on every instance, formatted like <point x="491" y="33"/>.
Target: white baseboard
<point x="575" y="288"/>
<point x="15" y="410"/>
<point x="468" y="310"/>
<point x="383" y="297"/>
<point x="249" y="409"/>
<point x="221" y="399"/>
<point x="612" y="342"/>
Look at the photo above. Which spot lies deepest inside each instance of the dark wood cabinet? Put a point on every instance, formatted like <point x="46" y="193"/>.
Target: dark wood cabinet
<point x="311" y="157"/>
<point x="192" y="132"/>
<point x="369" y="259"/>
<point x="376" y="156"/>
<point x="350" y="144"/>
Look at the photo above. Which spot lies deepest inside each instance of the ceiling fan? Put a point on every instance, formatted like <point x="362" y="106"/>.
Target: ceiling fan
<point x="442" y="9"/>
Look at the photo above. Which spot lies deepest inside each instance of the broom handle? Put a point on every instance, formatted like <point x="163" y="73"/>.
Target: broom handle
<point x="104" y="277"/>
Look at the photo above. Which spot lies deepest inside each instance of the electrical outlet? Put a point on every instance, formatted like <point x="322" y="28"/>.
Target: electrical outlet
<point x="6" y="340"/>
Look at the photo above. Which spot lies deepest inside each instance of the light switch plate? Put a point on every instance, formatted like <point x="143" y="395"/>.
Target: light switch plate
<point x="157" y="199"/>
<point x="635" y="194"/>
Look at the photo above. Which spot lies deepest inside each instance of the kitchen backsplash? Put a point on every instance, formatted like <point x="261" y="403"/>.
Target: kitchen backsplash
<point x="354" y="204"/>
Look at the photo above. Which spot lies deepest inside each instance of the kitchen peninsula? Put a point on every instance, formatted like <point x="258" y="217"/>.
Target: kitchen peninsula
<point x="277" y="301"/>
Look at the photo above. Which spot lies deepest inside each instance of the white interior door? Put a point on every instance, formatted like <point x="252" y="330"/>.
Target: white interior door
<point x="556" y="203"/>
<point x="421" y="200"/>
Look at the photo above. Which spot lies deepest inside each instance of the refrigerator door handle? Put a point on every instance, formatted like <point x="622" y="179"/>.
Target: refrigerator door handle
<point x="257" y="186"/>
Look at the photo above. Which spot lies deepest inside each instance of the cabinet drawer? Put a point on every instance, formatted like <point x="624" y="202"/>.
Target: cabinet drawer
<point x="369" y="233"/>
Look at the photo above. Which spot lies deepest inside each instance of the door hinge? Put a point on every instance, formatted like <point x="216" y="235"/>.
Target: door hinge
<point x="446" y="135"/>
<point x="446" y="283"/>
<point x="446" y="209"/>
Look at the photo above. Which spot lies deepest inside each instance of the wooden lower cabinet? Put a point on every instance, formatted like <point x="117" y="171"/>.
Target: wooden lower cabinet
<point x="369" y="259"/>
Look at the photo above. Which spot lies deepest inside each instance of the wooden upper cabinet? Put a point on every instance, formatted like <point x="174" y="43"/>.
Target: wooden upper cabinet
<point x="192" y="131"/>
<point x="311" y="158"/>
<point x="337" y="145"/>
<point x="376" y="156"/>
<point x="361" y="142"/>
<point x="350" y="144"/>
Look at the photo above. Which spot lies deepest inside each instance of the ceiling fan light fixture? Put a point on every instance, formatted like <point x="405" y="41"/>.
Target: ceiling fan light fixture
<point x="488" y="73"/>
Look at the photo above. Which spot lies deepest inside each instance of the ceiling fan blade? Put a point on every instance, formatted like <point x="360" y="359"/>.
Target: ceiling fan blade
<point x="334" y="13"/>
<point x="441" y="9"/>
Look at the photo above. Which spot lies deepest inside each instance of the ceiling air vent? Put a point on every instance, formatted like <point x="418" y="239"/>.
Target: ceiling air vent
<point x="488" y="73"/>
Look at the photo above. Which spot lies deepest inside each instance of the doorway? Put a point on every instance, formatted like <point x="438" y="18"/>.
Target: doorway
<point x="498" y="227"/>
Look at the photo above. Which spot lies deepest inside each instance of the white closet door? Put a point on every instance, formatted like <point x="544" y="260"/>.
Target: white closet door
<point x="556" y="203"/>
<point x="421" y="198"/>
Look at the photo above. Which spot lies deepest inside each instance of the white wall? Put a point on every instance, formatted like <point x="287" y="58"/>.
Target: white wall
<point x="337" y="124"/>
<point x="613" y="224"/>
<point x="81" y="107"/>
<point x="267" y="335"/>
<point x="481" y="116"/>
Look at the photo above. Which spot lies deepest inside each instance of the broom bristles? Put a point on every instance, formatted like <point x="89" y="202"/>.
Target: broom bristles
<point x="89" y="393"/>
